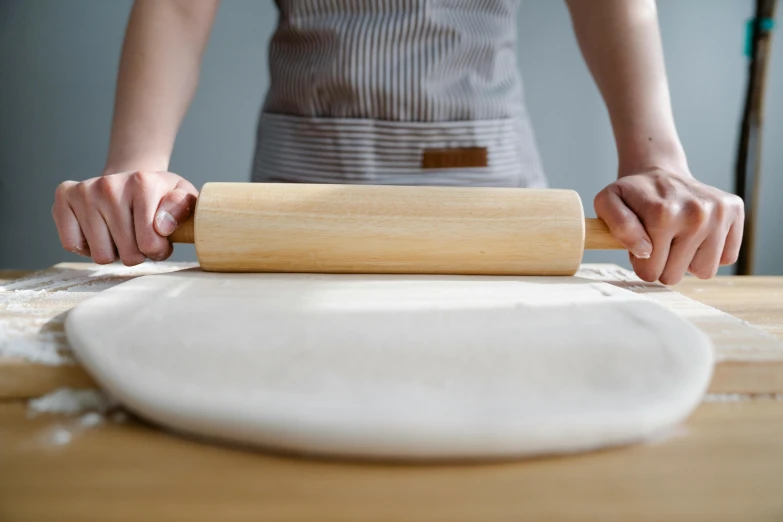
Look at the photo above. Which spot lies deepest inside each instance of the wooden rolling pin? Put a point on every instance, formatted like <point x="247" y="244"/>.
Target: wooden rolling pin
<point x="282" y="227"/>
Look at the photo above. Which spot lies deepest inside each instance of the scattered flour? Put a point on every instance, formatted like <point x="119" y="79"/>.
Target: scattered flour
<point x="32" y="309"/>
<point x="56" y="436"/>
<point x="67" y="401"/>
<point x="608" y="272"/>
<point x="32" y="313"/>
<point x="76" y="279"/>
<point x="741" y="397"/>
<point x="86" y="409"/>
<point x="43" y="347"/>
<point x="90" y="420"/>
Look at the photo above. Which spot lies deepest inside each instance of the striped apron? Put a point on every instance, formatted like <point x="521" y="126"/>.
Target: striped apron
<point x="396" y="92"/>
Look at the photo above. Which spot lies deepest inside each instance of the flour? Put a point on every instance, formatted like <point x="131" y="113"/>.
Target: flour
<point x="41" y="347"/>
<point x="84" y="409"/>
<point x="608" y="272"/>
<point x="17" y="301"/>
<point x="91" y="419"/>
<point x="76" y="279"/>
<point x="741" y="397"/>
<point x="33" y="309"/>
<point x="68" y="401"/>
<point x="56" y="436"/>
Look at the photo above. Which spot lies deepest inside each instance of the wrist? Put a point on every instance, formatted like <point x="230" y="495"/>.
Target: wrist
<point x="646" y="153"/>
<point x="133" y="164"/>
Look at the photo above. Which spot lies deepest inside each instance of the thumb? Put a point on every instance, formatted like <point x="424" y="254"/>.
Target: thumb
<point x="622" y="222"/>
<point x="174" y="208"/>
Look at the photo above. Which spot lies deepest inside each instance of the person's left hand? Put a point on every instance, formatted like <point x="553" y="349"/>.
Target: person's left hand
<point x="672" y="223"/>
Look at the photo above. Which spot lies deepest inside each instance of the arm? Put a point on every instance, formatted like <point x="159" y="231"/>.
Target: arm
<point x="667" y="219"/>
<point x="621" y="45"/>
<point x="157" y="80"/>
<point x="129" y="210"/>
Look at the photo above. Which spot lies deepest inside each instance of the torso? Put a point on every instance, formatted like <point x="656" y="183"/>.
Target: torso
<point x="362" y="89"/>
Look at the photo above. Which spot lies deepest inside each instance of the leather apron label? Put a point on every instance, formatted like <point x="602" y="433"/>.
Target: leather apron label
<point x="456" y="158"/>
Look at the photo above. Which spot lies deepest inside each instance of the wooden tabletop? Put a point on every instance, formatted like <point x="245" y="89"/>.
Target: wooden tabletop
<point x="725" y="463"/>
<point x="755" y="299"/>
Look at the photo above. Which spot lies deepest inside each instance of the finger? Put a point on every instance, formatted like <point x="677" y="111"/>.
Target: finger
<point x="122" y="232"/>
<point x="623" y="223"/>
<point x="147" y="191"/>
<point x="96" y="232"/>
<point x="707" y="258"/>
<point x="650" y="269"/>
<point x="114" y="207"/>
<point x="174" y="208"/>
<point x="120" y="223"/>
<point x="692" y="221"/>
<point x="68" y="229"/>
<point x="733" y="242"/>
<point x="681" y="255"/>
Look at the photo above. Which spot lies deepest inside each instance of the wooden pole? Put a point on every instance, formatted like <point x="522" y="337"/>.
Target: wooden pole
<point x="748" y="168"/>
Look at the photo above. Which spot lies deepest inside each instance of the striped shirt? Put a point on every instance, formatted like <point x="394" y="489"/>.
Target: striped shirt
<point x="364" y="91"/>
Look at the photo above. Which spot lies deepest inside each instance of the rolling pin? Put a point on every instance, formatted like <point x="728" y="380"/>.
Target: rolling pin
<point x="292" y="227"/>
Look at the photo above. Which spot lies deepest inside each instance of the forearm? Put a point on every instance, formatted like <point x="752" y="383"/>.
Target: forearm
<point x="157" y="80"/>
<point x="621" y="44"/>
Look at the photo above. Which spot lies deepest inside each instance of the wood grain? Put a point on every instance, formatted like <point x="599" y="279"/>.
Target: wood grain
<point x="596" y="233"/>
<point x="10" y="275"/>
<point x="757" y="300"/>
<point x="285" y="227"/>
<point x="598" y="237"/>
<point x="21" y="379"/>
<point x="726" y="464"/>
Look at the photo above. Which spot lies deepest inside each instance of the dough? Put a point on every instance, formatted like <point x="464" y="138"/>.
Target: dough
<point x="389" y="366"/>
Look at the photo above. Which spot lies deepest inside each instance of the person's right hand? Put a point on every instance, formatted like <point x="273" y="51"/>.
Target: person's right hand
<point x="127" y="215"/>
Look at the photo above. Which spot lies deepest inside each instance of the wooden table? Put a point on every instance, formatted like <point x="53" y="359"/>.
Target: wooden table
<point x="725" y="463"/>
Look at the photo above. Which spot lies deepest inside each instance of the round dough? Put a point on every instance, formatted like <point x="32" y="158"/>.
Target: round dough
<point x="389" y="366"/>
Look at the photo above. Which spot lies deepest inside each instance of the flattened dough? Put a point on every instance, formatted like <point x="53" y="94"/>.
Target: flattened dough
<point x="388" y="366"/>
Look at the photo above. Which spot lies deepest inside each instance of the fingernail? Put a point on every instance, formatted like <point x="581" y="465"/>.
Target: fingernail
<point x="642" y="249"/>
<point x="165" y="223"/>
<point x="80" y="250"/>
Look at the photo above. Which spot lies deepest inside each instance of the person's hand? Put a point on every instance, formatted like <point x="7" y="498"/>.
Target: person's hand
<point x="126" y="215"/>
<point x="672" y="223"/>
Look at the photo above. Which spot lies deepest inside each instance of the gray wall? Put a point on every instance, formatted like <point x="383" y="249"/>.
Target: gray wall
<point x="58" y="63"/>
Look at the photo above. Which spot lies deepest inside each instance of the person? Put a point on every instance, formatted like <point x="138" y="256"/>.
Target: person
<point x="411" y="92"/>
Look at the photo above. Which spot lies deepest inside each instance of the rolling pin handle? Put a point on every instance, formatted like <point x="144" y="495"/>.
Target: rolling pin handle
<point x="598" y="237"/>
<point x="184" y="233"/>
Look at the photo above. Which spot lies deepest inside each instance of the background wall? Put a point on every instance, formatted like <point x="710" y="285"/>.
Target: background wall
<point x="58" y="63"/>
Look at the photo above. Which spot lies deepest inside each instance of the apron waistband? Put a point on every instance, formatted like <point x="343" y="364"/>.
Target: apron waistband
<point x="364" y="151"/>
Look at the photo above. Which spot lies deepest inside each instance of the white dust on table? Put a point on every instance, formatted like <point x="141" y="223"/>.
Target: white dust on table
<point x="91" y="419"/>
<point x="741" y="397"/>
<point x="32" y="313"/>
<point x="33" y="309"/>
<point x="78" y="411"/>
<point x="681" y="430"/>
<point x="734" y="339"/>
<point x="56" y="436"/>
<point x="31" y="325"/>
<point x="68" y="401"/>
<point x="618" y="275"/>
